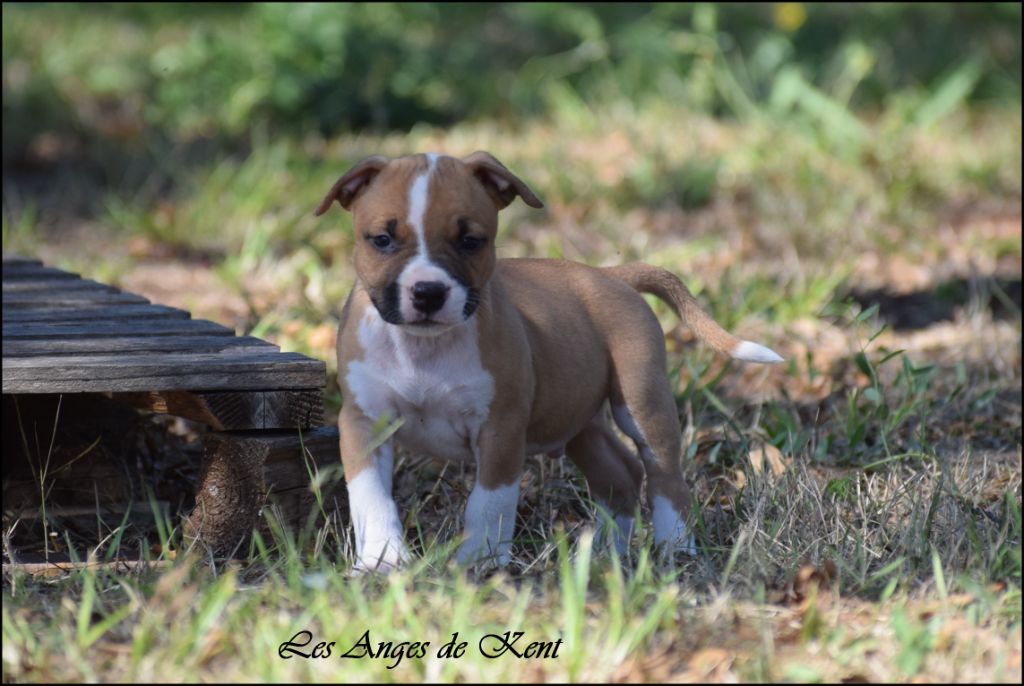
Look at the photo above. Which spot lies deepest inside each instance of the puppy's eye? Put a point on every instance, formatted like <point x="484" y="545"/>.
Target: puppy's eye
<point x="470" y="244"/>
<point x="382" y="241"/>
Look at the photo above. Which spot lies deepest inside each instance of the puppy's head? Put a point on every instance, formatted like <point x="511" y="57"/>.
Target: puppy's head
<point x="425" y="227"/>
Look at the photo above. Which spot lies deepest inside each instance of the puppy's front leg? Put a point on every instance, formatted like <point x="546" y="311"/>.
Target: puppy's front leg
<point x="378" y="529"/>
<point x="491" y="510"/>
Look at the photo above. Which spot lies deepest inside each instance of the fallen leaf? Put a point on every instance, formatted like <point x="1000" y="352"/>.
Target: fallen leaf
<point x="768" y="454"/>
<point x="810" y="575"/>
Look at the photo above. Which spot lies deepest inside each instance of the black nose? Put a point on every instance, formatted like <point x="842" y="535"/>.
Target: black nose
<point x="429" y="296"/>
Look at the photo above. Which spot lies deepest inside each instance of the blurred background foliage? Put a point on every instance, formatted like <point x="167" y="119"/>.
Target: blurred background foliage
<point x="218" y="70"/>
<point x="797" y="149"/>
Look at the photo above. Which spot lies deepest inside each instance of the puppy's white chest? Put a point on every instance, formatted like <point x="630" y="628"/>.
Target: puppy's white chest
<point x="435" y="385"/>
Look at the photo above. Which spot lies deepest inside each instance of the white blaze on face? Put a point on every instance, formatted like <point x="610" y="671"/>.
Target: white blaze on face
<point x="418" y="195"/>
<point x="422" y="269"/>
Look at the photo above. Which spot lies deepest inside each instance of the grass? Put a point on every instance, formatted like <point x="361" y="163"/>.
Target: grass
<point x="858" y="508"/>
<point x="906" y="592"/>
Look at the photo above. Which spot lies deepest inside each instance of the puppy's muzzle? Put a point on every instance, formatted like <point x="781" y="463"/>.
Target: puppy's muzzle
<point x="429" y="296"/>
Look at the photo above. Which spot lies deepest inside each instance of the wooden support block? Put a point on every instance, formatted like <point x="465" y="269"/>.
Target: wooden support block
<point x="268" y="409"/>
<point x="240" y="469"/>
<point x="236" y="410"/>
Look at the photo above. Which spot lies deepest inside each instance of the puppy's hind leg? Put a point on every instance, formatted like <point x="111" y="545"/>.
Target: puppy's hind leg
<point x="644" y="409"/>
<point x="613" y="474"/>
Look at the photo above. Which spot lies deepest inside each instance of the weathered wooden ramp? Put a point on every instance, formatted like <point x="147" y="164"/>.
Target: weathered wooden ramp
<point x="65" y="334"/>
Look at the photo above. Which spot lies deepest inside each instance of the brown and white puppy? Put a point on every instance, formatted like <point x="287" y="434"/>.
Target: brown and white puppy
<point x="489" y="360"/>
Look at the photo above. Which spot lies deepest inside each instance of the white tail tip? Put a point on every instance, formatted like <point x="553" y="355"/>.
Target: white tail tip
<point x="749" y="351"/>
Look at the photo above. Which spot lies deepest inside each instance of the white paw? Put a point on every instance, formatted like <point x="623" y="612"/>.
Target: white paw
<point x="670" y="530"/>
<point x="490" y="524"/>
<point x="688" y="546"/>
<point x="384" y="556"/>
<point x="379" y="537"/>
<point x="474" y="550"/>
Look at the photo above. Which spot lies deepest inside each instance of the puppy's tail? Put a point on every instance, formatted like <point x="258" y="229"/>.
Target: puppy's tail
<point x="666" y="286"/>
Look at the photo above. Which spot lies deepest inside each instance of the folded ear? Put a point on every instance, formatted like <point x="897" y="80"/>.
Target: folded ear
<point x="502" y="185"/>
<point x="355" y="180"/>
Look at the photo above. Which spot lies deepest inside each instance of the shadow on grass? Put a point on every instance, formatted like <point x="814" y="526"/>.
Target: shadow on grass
<point x="920" y="309"/>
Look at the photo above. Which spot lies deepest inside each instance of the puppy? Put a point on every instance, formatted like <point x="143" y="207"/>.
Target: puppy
<point x="488" y="361"/>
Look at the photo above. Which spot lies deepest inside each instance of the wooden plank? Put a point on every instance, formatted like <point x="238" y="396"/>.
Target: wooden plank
<point x="37" y="298"/>
<point x="55" y="285"/>
<point x="120" y="329"/>
<point x="14" y="258"/>
<point x="93" y="312"/>
<point x="161" y="372"/>
<point x="31" y="271"/>
<point x="35" y="347"/>
<point x="75" y="306"/>
<point x="233" y="411"/>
